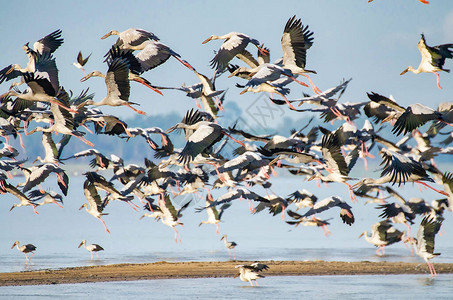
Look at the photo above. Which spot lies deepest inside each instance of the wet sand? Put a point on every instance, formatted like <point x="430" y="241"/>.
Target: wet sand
<point x="166" y="270"/>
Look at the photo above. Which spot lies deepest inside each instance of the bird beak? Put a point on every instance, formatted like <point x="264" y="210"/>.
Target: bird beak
<point x="207" y="40"/>
<point x="311" y="178"/>
<point x="84" y="78"/>
<point x="356" y="185"/>
<point x="82" y="207"/>
<point x="361" y="235"/>
<point x="81" y="105"/>
<point x="236" y="275"/>
<point x="4" y="95"/>
<point x="243" y="92"/>
<point x="13" y="245"/>
<point x="142" y="217"/>
<point x="404" y="72"/>
<point x="11" y="208"/>
<point x="10" y="70"/>
<point x="171" y="129"/>
<point x="80" y="245"/>
<point x="106" y="35"/>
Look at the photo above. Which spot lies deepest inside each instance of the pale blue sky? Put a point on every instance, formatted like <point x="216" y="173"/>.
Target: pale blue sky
<point x="370" y="42"/>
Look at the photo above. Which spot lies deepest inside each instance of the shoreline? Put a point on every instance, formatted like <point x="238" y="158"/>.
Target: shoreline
<point x="170" y="270"/>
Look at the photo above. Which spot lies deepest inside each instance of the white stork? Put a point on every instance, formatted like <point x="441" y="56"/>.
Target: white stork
<point x="345" y="209"/>
<point x="118" y="87"/>
<point x="27" y="248"/>
<point x="383" y="234"/>
<point x="234" y="44"/>
<point x="91" y="247"/>
<point x="95" y="205"/>
<point x="229" y="245"/>
<point x="433" y="59"/>
<point x="132" y="38"/>
<point x="250" y="273"/>
<point x="424" y="243"/>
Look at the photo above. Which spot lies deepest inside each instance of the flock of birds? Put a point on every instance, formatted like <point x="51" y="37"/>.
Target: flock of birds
<point x="202" y="164"/>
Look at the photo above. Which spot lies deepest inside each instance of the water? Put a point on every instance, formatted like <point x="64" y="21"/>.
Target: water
<point x="286" y="287"/>
<point x="57" y="232"/>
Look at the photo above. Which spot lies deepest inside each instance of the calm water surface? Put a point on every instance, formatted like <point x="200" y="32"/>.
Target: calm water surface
<point x="287" y="287"/>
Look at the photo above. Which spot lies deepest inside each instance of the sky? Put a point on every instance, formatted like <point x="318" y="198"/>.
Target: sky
<point x="368" y="42"/>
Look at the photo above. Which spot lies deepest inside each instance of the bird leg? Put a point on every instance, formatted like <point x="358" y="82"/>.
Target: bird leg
<point x="217" y="228"/>
<point x="63" y="106"/>
<point x="91" y="252"/>
<point x="177" y="236"/>
<point x="185" y="63"/>
<point x="428" y="186"/>
<point x="313" y="86"/>
<point x="134" y="109"/>
<point x="21" y="141"/>
<point x="326" y="230"/>
<point x="97" y="255"/>
<point x="252" y="209"/>
<point x="105" y="226"/>
<point x="437" y="79"/>
<point x="83" y="140"/>
<point x="140" y="80"/>
<point x="88" y="129"/>
<point x="197" y="104"/>
<point x="237" y="141"/>
<point x="298" y="81"/>
<point x="351" y="192"/>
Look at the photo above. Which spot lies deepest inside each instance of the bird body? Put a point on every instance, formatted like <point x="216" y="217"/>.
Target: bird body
<point x="91" y="247"/>
<point x="27" y="248"/>
<point x="250" y="273"/>
<point x="433" y="59"/>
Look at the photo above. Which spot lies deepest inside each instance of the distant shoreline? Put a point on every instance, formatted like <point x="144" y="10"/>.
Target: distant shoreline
<point x="168" y="270"/>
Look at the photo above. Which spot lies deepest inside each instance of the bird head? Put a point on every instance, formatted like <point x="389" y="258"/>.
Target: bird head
<point x="212" y="37"/>
<point x="82" y="243"/>
<point x="15" y="243"/>
<point x="91" y="74"/>
<point x="111" y="32"/>
<point x="362" y="234"/>
<point x="410" y="68"/>
<point x="85" y="103"/>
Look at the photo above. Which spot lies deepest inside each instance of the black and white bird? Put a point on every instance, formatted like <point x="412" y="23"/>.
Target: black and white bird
<point x="91" y="247"/>
<point x="27" y="248"/>
<point x="230" y="245"/>
<point x="424" y="243"/>
<point x="234" y="44"/>
<point x="433" y="58"/>
<point x="345" y="209"/>
<point x="118" y="86"/>
<point x="251" y="272"/>
<point x="132" y="38"/>
<point x="383" y="234"/>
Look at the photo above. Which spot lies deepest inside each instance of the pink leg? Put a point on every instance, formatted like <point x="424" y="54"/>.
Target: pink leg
<point x="105" y="226"/>
<point x="437" y="77"/>
<point x="313" y="86"/>
<point x="428" y="186"/>
<point x="134" y="109"/>
<point x="217" y="228"/>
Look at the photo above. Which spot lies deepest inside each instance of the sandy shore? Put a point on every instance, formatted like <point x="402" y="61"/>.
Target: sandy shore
<point x="161" y="270"/>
